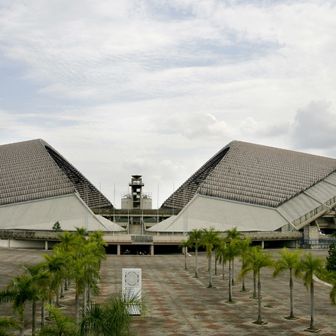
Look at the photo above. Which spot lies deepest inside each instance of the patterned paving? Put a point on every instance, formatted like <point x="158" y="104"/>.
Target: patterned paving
<point x="178" y="304"/>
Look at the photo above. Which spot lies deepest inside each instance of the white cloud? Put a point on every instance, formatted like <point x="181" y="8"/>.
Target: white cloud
<point x="315" y="126"/>
<point x="159" y="87"/>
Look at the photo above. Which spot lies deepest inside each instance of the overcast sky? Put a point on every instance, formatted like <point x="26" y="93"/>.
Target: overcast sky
<point x="156" y="87"/>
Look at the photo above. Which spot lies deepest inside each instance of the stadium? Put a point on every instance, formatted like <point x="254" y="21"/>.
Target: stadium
<point x="275" y="196"/>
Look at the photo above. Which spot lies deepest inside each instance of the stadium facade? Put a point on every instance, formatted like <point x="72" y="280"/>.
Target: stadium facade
<point x="277" y="197"/>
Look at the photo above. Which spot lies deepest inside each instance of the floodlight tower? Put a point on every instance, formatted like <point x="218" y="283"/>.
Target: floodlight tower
<point x="136" y="185"/>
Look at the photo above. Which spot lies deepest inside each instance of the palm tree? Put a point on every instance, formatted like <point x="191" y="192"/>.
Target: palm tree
<point x="233" y="234"/>
<point x="210" y="239"/>
<point x="19" y="291"/>
<point x="109" y="319"/>
<point x="195" y="238"/>
<point x="231" y="250"/>
<point x="244" y="248"/>
<point x="59" y="325"/>
<point x="7" y="324"/>
<point x="289" y="260"/>
<point x="256" y="260"/>
<point x="185" y="244"/>
<point x="56" y="265"/>
<point x="40" y="285"/>
<point x="220" y="254"/>
<point x="311" y="265"/>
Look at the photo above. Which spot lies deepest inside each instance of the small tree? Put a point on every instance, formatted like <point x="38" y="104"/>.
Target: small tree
<point x="59" y="325"/>
<point x="7" y="325"/>
<point x="311" y="265"/>
<point x="195" y="238"/>
<point x="57" y="227"/>
<point x="256" y="260"/>
<point x="331" y="259"/>
<point x="185" y="244"/>
<point x="210" y="239"/>
<point x="289" y="260"/>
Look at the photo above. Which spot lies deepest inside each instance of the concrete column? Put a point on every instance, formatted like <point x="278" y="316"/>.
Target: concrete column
<point x="46" y="247"/>
<point x="152" y="250"/>
<point x="262" y="244"/>
<point x="118" y="250"/>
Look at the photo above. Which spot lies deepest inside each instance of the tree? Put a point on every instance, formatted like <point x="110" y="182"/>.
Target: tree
<point x="19" y="292"/>
<point x="244" y="248"/>
<point x="40" y="285"/>
<point x="289" y="260"/>
<point x="109" y="319"/>
<point x="210" y="239"/>
<point x="56" y="265"/>
<point x="256" y="260"/>
<point x="231" y="250"/>
<point x="57" y="227"/>
<point x="59" y="325"/>
<point x="311" y="265"/>
<point x="233" y="234"/>
<point x="7" y="324"/>
<point x="185" y="244"/>
<point x="195" y="238"/>
<point x="331" y="259"/>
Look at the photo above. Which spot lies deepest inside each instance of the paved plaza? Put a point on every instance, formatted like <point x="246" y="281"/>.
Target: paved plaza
<point x="178" y="304"/>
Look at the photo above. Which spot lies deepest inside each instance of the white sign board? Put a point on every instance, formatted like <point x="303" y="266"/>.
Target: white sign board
<point x="131" y="288"/>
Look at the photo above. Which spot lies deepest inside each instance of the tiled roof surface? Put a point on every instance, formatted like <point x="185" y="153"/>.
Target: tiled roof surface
<point x="32" y="170"/>
<point x="254" y="174"/>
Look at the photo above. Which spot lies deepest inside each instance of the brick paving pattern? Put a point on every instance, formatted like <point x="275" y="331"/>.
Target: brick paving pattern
<point x="178" y="304"/>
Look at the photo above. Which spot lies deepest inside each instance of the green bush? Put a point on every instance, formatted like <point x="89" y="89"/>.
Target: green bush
<point x="331" y="259"/>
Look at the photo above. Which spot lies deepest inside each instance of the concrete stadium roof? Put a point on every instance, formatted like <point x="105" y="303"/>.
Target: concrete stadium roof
<point x="32" y="170"/>
<point x="253" y="174"/>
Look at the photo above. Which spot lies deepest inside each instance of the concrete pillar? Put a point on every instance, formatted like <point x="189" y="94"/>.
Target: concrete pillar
<point x="118" y="250"/>
<point x="152" y="250"/>
<point x="46" y="247"/>
<point x="262" y="244"/>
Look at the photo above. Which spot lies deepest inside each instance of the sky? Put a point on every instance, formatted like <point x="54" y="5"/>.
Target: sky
<point x="157" y="87"/>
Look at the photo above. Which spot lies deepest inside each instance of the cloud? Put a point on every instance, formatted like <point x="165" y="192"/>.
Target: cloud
<point x="315" y="126"/>
<point x="191" y="126"/>
<point x="157" y="87"/>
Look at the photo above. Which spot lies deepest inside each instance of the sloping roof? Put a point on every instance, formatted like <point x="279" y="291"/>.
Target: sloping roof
<point x="254" y="174"/>
<point x="33" y="170"/>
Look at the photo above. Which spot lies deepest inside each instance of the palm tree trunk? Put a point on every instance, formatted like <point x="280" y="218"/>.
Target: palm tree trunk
<point x="57" y="297"/>
<point x="85" y="299"/>
<point x="185" y="258"/>
<point x="223" y="270"/>
<point x="42" y="313"/>
<point x="22" y="322"/>
<point x="230" y="280"/>
<point x="210" y="271"/>
<point x="33" y="317"/>
<point x="259" y="320"/>
<point x="196" y="262"/>
<point x="89" y="296"/>
<point x="291" y="314"/>
<point x="215" y="266"/>
<point x="232" y="272"/>
<point x="62" y="289"/>
<point x="77" y="304"/>
<point x="312" y="310"/>
<point x="254" y="285"/>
